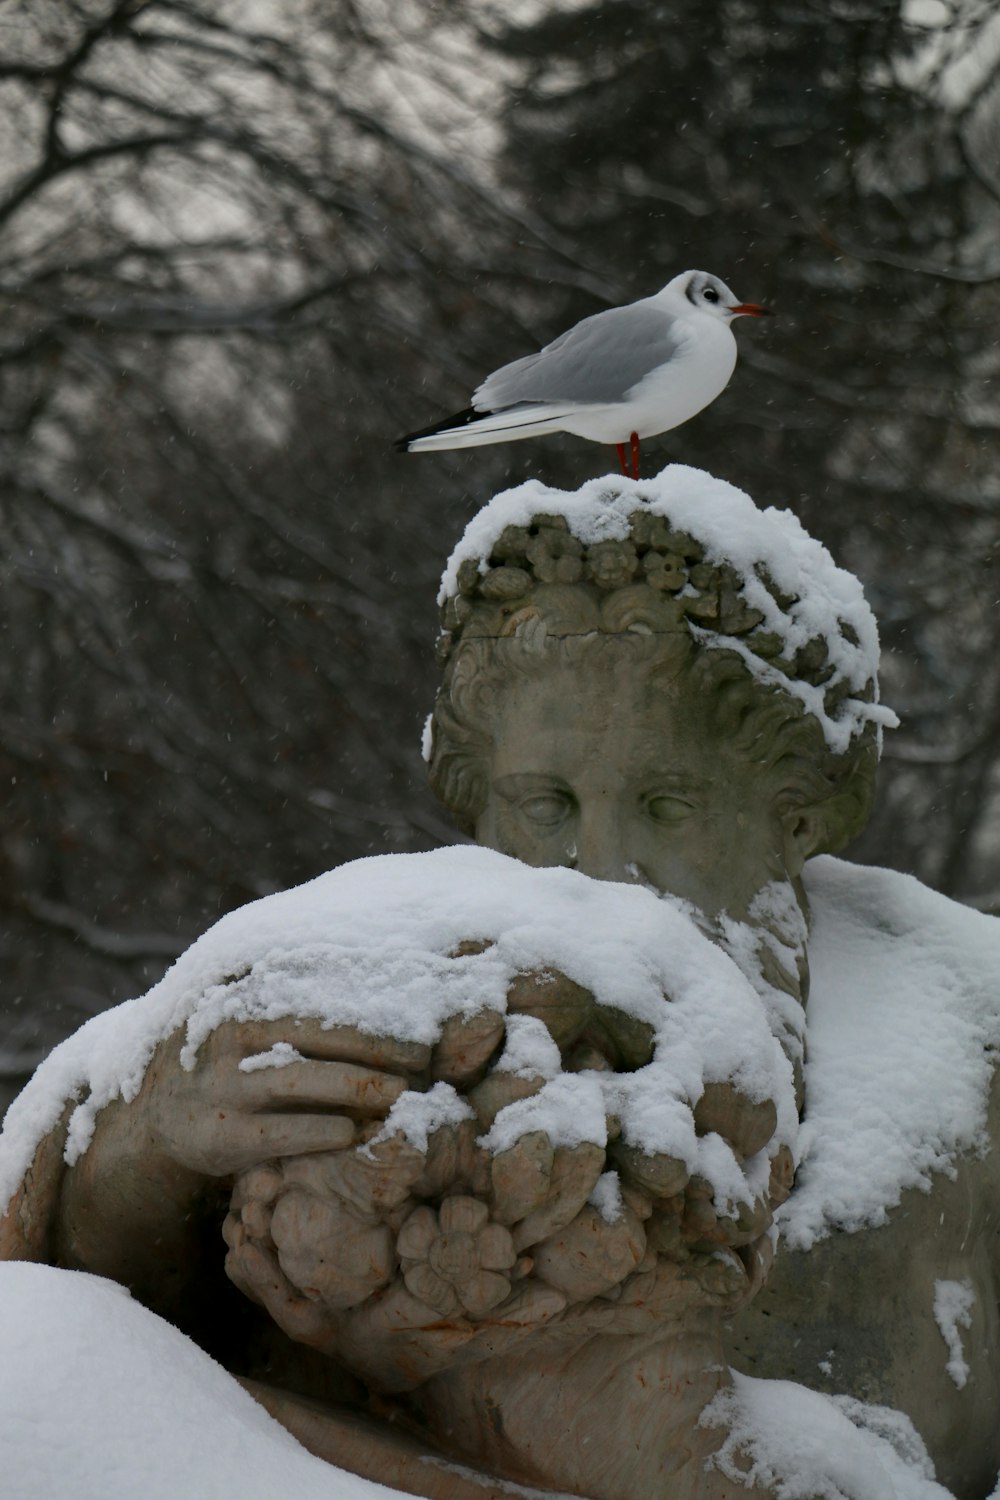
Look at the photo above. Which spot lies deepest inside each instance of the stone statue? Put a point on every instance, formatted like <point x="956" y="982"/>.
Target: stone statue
<point x="639" y="697"/>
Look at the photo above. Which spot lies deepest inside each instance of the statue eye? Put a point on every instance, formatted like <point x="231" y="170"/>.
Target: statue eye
<point x="547" y="809"/>
<point x="668" y="810"/>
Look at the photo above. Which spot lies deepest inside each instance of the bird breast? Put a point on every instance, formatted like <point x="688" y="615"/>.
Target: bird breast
<point x="698" y="371"/>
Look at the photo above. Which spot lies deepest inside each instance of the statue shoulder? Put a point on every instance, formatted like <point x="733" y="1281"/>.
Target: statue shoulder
<point x="903" y="1030"/>
<point x="885" y="910"/>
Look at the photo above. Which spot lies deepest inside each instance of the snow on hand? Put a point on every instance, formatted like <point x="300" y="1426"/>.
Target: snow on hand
<point x="370" y="944"/>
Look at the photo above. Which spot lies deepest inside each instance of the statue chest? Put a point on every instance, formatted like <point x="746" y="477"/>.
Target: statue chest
<point x="904" y="1315"/>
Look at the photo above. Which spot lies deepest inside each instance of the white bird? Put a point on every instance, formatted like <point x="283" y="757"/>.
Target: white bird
<point x="617" y="377"/>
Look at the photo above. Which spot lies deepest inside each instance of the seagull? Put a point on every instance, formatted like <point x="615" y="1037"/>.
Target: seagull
<point x="617" y="377"/>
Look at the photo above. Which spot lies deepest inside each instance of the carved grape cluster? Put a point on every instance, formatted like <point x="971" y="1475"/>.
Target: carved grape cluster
<point x="656" y="573"/>
<point x="383" y="1235"/>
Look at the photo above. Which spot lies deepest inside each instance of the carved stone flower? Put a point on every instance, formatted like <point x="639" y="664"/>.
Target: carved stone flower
<point x="453" y="1259"/>
<point x="612" y="564"/>
<point x="554" y="556"/>
<point x="665" y="570"/>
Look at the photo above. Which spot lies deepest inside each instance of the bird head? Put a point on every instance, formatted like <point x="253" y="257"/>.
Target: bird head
<point x="710" y="295"/>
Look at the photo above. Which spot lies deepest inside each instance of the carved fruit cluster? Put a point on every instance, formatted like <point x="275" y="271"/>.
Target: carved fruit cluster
<point x="384" y="1233"/>
<point x="668" y="567"/>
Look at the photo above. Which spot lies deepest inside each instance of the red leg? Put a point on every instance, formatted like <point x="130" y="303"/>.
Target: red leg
<point x="621" y="458"/>
<point x="634" y="440"/>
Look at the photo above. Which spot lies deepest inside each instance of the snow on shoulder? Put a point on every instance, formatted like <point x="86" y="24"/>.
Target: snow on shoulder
<point x="382" y="945"/>
<point x="798" y="621"/>
<point x="904" y="1027"/>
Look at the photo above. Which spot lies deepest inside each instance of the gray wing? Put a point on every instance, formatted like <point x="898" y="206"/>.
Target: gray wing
<point x="598" y="361"/>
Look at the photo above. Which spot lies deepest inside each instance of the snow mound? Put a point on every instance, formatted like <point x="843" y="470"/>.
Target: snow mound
<point x="805" y="1446"/>
<point x="903" y="1029"/>
<point x="100" y="1398"/>
<point x="373" y="944"/>
<point x="802" y="623"/>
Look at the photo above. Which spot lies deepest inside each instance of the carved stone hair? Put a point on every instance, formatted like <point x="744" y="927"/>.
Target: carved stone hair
<point x="543" y="589"/>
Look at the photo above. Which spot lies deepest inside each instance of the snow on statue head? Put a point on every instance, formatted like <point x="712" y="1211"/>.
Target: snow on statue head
<point x="655" y="682"/>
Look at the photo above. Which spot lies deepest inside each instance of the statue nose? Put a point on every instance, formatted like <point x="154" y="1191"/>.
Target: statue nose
<point x="601" y="850"/>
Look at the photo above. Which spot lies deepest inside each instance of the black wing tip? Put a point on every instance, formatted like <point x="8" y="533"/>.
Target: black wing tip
<point x="460" y="419"/>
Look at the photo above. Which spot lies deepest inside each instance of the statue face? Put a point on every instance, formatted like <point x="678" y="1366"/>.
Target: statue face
<point x="612" y="768"/>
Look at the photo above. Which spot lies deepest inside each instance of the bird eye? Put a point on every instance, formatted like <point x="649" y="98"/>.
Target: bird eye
<point x="710" y="294"/>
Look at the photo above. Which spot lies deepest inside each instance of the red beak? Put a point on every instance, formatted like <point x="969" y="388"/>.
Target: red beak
<point x="751" y="310"/>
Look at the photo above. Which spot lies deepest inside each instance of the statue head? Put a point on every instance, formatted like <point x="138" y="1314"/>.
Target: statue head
<point x="625" y="694"/>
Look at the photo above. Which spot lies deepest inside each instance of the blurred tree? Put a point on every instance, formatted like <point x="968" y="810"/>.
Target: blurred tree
<point x="228" y="236"/>
<point x="841" y="163"/>
<point x="242" y="246"/>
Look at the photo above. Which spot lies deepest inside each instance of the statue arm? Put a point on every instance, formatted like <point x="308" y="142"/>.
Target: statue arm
<point x="27" y="1227"/>
<point x="144" y="1203"/>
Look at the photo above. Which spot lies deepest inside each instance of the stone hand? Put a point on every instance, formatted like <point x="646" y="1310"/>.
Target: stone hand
<point x="147" y="1182"/>
<point x="398" y="1261"/>
<point x="220" y="1118"/>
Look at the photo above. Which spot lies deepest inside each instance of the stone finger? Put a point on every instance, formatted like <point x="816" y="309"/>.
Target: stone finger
<point x="664" y="1231"/>
<point x="520" y="1177"/>
<point x="624" y="1040"/>
<point x="782" y="1176"/>
<point x="257" y="1274"/>
<point x="494" y="1092"/>
<point x="750" y="1222"/>
<point x="529" y="1308"/>
<point x="347" y="1087"/>
<point x="721" y="1276"/>
<point x="238" y="1040"/>
<point x="453" y="1162"/>
<point x="758" y="1259"/>
<point x="561" y="1004"/>
<point x="575" y="1171"/>
<point x="745" y="1123"/>
<point x="226" y="1142"/>
<point x="655" y="1173"/>
<point x="465" y="1046"/>
<point x="261" y="1184"/>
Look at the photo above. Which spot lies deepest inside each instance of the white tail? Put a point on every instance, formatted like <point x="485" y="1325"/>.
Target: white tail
<point x="495" y="427"/>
